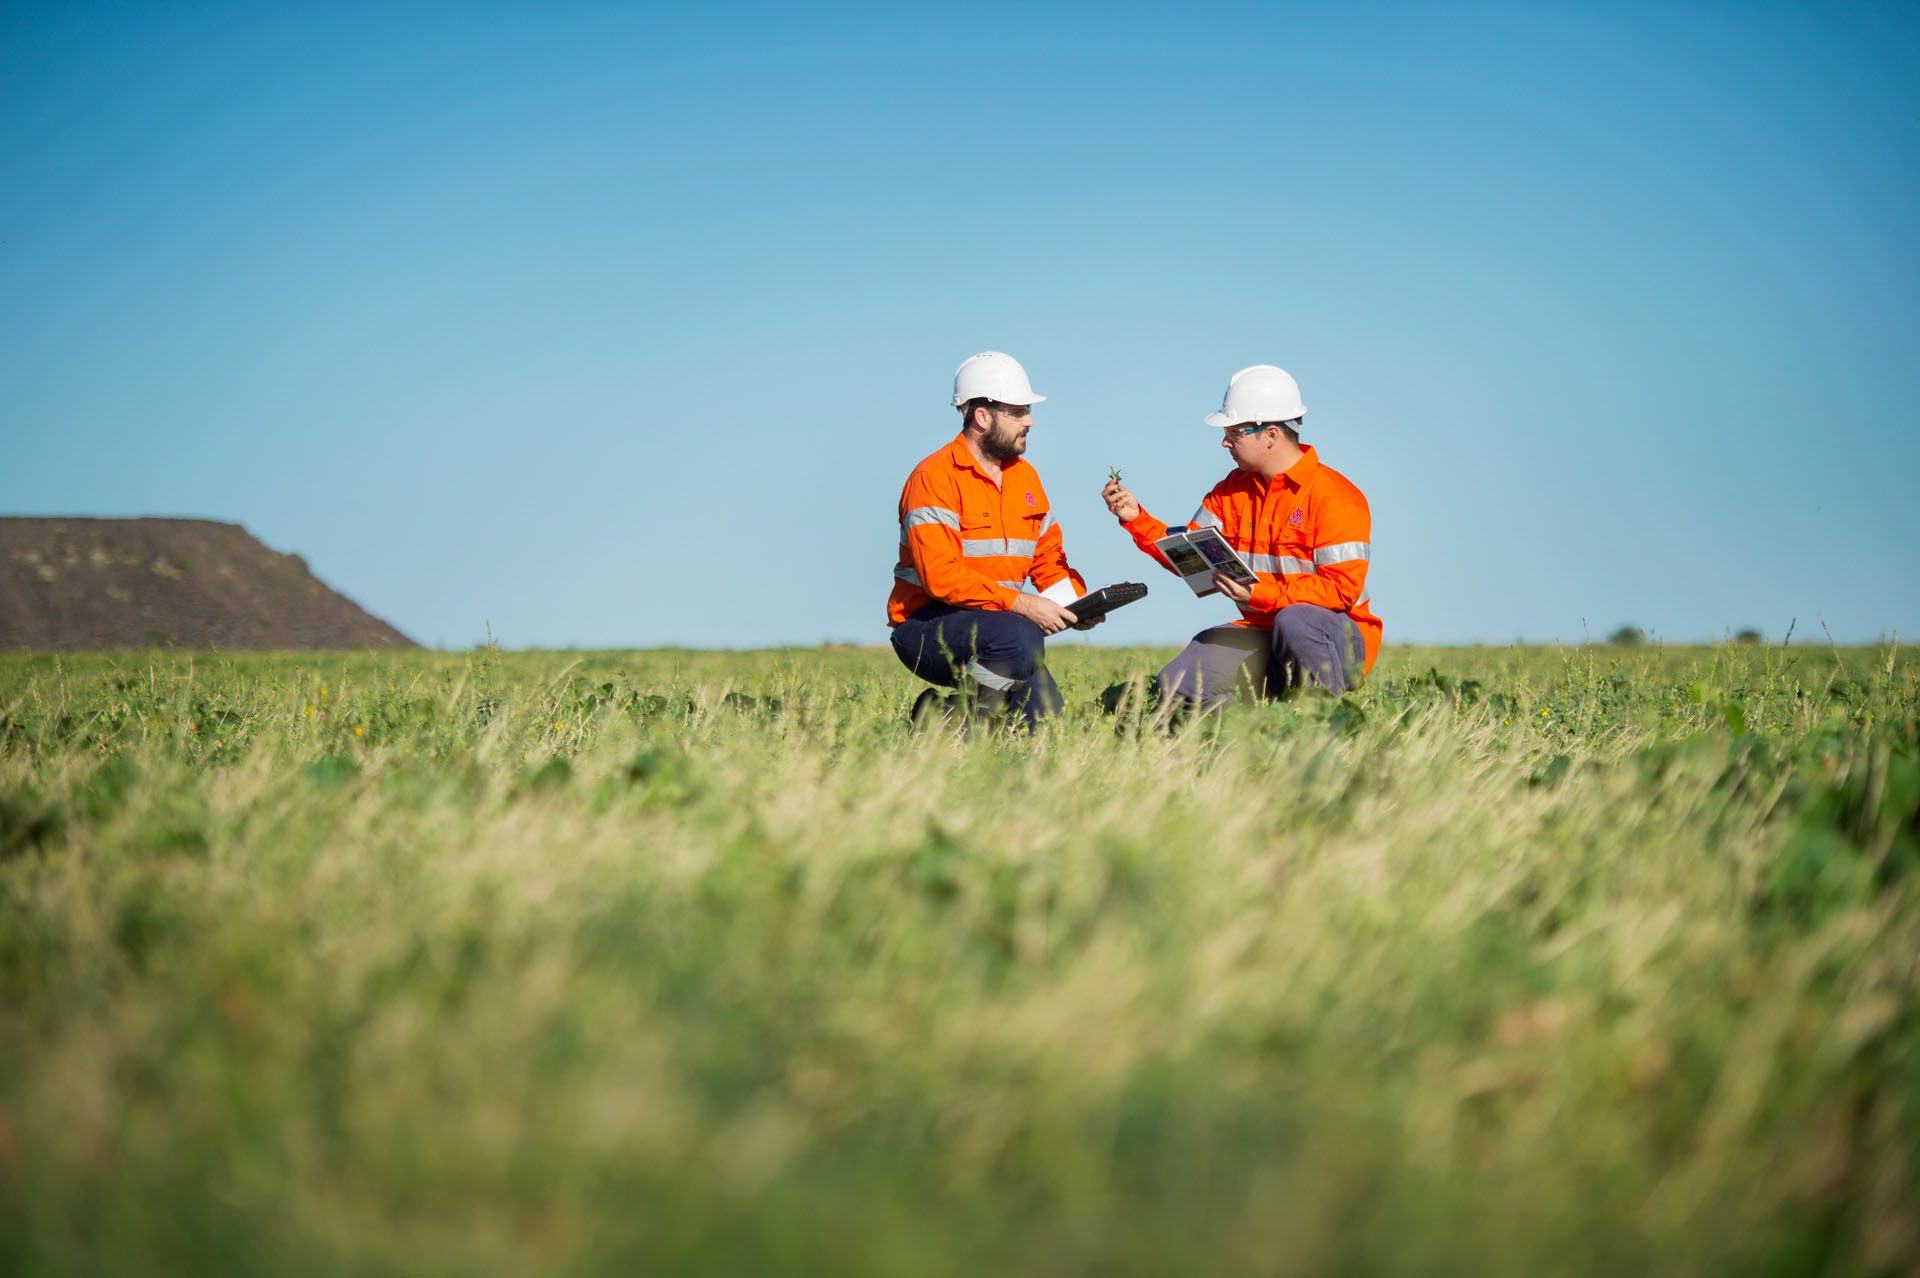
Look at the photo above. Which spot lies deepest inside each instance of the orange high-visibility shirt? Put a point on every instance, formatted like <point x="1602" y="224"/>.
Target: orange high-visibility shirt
<point x="1306" y="534"/>
<point x="967" y="541"/>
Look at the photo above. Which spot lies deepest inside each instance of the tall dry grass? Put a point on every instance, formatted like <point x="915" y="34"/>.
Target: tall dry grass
<point x="1516" y="961"/>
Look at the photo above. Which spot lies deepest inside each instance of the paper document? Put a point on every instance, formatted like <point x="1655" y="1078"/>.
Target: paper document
<point x="1061" y="592"/>
<point x="1196" y="555"/>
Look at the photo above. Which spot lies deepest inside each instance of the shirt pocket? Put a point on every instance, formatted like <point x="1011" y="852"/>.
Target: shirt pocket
<point x="1293" y="544"/>
<point x="979" y="535"/>
<point x="1024" y="532"/>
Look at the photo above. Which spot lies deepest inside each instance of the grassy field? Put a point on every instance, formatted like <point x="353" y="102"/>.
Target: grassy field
<point x="1516" y="961"/>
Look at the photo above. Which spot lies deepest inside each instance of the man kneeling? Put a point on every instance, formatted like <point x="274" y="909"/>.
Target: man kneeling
<point x="1302" y="527"/>
<point x="975" y="529"/>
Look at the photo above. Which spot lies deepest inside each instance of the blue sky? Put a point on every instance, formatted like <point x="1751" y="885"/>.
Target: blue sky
<point x="615" y="325"/>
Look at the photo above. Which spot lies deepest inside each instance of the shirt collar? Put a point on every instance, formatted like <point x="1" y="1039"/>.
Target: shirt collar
<point x="963" y="456"/>
<point x="1301" y="471"/>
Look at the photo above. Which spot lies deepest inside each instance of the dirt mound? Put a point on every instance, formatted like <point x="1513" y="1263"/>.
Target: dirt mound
<point x="186" y="583"/>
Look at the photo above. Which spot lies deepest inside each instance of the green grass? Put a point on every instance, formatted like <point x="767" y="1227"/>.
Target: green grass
<point x="1516" y="961"/>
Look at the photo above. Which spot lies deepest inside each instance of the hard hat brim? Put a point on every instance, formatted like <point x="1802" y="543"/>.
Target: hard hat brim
<point x="1220" y="421"/>
<point x="1017" y="403"/>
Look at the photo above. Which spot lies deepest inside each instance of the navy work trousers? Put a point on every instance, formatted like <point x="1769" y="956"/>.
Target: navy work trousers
<point x="999" y="654"/>
<point x="1307" y="643"/>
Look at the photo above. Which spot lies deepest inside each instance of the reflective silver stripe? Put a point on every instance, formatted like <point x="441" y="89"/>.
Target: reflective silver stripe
<point x="987" y="678"/>
<point x="1345" y="552"/>
<point x="1046" y="525"/>
<point x="930" y="515"/>
<point x="1364" y="596"/>
<point x="927" y="515"/>
<point x="1277" y="563"/>
<point x="1248" y="607"/>
<point x="1204" y="518"/>
<point x="906" y="573"/>
<point x="996" y="546"/>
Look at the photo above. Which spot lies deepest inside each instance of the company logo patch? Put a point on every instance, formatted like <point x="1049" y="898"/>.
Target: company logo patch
<point x="1030" y="500"/>
<point x="1297" y="518"/>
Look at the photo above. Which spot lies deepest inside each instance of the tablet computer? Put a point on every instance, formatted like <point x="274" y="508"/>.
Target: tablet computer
<point x="1098" y="603"/>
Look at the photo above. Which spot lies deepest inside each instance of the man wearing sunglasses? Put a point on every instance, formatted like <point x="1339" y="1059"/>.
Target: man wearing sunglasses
<point x="975" y="529"/>
<point x="1302" y="527"/>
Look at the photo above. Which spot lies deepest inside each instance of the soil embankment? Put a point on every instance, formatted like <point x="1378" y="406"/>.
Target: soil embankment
<point x="185" y="583"/>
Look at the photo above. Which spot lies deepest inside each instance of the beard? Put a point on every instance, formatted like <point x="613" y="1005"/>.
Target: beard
<point x="1003" y="442"/>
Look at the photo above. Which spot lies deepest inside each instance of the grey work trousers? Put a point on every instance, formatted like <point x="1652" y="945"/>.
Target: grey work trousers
<point x="1306" y="643"/>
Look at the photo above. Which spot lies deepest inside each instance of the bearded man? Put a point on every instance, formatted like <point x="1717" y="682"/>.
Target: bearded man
<point x="975" y="529"/>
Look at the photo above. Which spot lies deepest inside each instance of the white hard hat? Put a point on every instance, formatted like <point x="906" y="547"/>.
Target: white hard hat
<point x="995" y="376"/>
<point x="1261" y="393"/>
